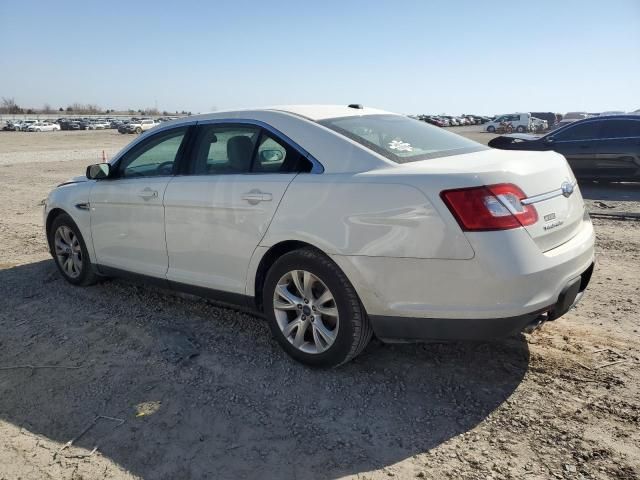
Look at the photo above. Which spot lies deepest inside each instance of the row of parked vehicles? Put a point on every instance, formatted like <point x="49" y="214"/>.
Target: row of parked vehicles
<point x="133" y="125"/>
<point x="452" y="121"/>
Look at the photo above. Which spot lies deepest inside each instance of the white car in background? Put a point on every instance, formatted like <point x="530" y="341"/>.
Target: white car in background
<point x="43" y="127"/>
<point x="539" y="125"/>
<point x="335" y="223"/>
<point x="521" y="122"/>
<point x="139" y="126"/>
<point x="25" y="124"/>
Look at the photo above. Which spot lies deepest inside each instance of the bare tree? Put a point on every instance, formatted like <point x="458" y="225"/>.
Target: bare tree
<point x="9" y="105"/>
<point x="46" y="108"/>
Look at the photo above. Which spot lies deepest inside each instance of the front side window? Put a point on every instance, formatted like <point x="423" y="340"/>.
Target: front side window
<point x="583" y="131"/>
<point x="401" y="139"/>
<point x="154" y="157"/>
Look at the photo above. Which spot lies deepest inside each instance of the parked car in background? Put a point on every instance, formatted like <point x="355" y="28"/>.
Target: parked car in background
<point x="538" y="125"/>
<point x="124" y="127"/>
<point x="25" y="124"/>
<point x="575" y="115"/>
<point x="11" y="126"/>
<point x="563" y="123"/>
<point x="139" y="126"/>
<point x="599" y="148"/>
<point x="453" y="121"/>
<point x="521" y="122"/>
<point x="445" y="238"/>
<point x="612" y="112"/>
<point x="437" y="121"/>
<point x="98" y="125"/>
<point x="550" y="117"/>
<point x="43" y="127"/>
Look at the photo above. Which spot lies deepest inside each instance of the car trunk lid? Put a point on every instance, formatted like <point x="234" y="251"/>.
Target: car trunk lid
<point x="545" y="178"/>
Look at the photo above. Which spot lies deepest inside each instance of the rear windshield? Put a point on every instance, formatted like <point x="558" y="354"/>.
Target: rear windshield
<point x="402" y="139"/>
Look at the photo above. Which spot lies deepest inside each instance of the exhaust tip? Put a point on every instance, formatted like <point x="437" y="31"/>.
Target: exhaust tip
<point x="536" y="323"/>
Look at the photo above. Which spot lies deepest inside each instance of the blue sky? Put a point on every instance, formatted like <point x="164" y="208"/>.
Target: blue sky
<point x="410" y="57"/>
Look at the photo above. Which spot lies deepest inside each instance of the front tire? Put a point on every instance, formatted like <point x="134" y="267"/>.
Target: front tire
<point x="520" y="129"/>
<point x="70" y="252"/>
<point x="313" y="310"/>
<point x="138" y="130"/>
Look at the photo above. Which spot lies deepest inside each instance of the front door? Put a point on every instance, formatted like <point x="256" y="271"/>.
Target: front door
<point x="127" y="215"/>
<point x="217" y="214"/>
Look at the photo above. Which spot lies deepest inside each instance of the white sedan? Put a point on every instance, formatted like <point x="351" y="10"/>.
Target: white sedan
<point x="336" y="224"/>
<point x="43" y="127"/>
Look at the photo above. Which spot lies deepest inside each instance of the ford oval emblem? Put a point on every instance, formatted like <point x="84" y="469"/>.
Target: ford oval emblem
<point x="567" y="189"/>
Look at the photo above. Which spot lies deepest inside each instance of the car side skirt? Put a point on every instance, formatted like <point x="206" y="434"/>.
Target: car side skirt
<point x="234" y="300"/>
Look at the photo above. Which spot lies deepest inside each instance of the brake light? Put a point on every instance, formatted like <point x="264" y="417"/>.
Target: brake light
<point x="490" y="207"/>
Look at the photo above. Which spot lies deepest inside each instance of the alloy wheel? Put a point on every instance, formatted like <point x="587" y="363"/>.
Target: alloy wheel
<point x="68" y="251"/>
<point x="306" y="311"/>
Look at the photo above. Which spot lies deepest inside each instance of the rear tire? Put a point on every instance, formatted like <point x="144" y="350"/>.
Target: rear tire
<point x="491" y="129"/>
<point x="521" y="129"/>
<point x="70" y="252"/>
<point x="336" y="328"/>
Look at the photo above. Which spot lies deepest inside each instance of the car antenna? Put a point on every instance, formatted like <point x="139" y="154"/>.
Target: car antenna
<point x="355" y="105"/>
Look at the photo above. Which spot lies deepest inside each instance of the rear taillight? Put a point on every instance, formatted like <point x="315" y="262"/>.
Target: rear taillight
<point x="490" y="207"/>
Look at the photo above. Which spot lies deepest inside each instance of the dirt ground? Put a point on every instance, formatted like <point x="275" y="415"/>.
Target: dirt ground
<point x="149" y="384"/>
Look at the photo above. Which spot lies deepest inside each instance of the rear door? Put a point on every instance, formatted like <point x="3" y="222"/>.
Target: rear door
<point x="217" y="213"/>
<point x="579" y="144"/>
<point x="619" y="149"/>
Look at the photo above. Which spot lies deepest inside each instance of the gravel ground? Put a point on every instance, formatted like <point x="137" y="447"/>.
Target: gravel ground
<point x="193" y="390"/>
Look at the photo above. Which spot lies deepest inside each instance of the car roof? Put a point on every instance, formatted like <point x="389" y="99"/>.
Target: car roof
<point x="609" y="117"/>
<point x="310" y="112"/>
<point x="299" y="125"/>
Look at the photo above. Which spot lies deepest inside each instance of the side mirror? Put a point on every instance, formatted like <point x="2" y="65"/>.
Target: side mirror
<point x="98" y="171"/>
<point x="549" y="140"/>
<point x="271" y="156"/>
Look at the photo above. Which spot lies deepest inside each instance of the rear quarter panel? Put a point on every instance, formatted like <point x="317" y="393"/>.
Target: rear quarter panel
<point x="353" y="215"/>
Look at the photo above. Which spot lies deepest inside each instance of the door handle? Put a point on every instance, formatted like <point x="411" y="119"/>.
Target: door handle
<point x="256" y="196"/>
<point x="148" y="193"/>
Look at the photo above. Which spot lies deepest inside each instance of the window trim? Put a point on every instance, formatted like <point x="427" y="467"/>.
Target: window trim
<point x="316" y="166"/>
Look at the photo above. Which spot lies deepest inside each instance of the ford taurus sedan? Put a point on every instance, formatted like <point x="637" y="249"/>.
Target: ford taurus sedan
<point x="336" y="224"/>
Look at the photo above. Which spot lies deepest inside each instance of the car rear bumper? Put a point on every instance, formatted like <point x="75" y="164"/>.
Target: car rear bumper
<point x="399" y="329"/>
<point x="504" y="287"/>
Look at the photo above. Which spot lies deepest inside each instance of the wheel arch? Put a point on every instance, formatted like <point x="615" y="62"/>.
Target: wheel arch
<point x="51" y="216"/>
<point x="269" y="258"/>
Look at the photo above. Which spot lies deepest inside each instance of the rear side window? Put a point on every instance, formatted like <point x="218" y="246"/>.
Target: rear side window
<point x="401" y="139"/>
<point x="223" y="149"/>
<point x="620" y="128"/>
<point x="236" y="149"/>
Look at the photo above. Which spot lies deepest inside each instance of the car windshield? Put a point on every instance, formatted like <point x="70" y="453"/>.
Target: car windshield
<point x="401" y="139"/>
